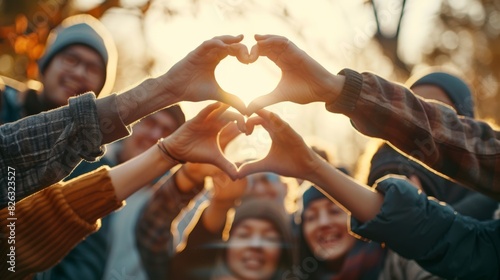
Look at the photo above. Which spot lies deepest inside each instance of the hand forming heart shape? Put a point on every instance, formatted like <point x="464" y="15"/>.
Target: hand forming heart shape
<point x="302" y="81"/>
<point x="200" y="140"/>
<point x="247" y="81"/>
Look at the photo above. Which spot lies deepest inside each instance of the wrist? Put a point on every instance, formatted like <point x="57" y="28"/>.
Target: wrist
<point x="166" y="153"/>
<point x="142" y="100"/>
<point x="347" y="87"/>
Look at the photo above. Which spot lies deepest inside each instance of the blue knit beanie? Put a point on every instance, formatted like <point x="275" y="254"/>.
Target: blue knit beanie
<point x="312" y="193"/>
<point x="82" y="30"/>
<point x="456" y="89"/>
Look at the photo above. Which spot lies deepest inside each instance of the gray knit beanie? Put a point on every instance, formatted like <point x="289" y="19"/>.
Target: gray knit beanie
<point x="82" y="30"/>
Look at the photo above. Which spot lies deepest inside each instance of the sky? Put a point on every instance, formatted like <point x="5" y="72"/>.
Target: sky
<point x="335" y="33"/>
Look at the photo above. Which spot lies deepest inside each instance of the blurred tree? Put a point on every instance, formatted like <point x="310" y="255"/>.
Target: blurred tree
<point x="25" y="25"/>
<point x="467" y="35"/>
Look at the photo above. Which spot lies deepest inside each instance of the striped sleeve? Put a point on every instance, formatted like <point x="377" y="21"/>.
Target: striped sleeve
<point x="48" y="224"/>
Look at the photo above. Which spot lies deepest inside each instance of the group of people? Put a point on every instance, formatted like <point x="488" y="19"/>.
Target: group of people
<point x="155" y="197"/>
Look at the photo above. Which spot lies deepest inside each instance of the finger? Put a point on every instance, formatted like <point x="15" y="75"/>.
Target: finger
<point x="227" y="134"/>
<point x="239" y="51"/>
<point x="232" y="116"/>
<point x="251" y="123"/>
<point x="232" y="100"/>
<point x="261" y="102"/>
<point x="228" y="167"/>
<point x="215" y="114"/>
<point x="274" y="124"/>
<point x="219" y="43"/>
<point x="254" y="54"/>
<point x="203" y="114"/>
<point x="252" y="167"/>
<point x="229" y="39"/>
<point x="260" y="37"/>
<point x="272" y="47"/>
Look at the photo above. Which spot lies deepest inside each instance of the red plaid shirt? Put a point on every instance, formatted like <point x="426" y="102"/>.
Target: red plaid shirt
<point x="461" y="148"/>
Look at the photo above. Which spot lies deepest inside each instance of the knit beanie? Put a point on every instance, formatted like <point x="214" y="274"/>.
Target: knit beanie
<point x="83" y="30"/>
<point x="265" y="209"/>
<point x="269" y="210"/>
<point x="455" y="88"/>
<point x="311" y="195"/>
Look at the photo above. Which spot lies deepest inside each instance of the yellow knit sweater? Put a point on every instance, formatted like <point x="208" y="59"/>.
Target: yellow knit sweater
<point x="42" y="228"/>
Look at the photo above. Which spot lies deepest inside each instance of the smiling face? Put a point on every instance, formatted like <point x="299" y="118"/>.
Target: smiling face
<point x="74" y="70"/>
<point x="146" y="134"/>
<point x="254" y="250"/>
<point x="325" y="230"/>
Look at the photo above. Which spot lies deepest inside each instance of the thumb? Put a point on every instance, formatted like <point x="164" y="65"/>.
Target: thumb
<point x="251" y="168"/>
<point x="261" y="102"/>
<point x="228" y="167"/>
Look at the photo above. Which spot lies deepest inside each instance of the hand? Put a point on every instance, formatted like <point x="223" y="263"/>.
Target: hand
<point x="303" y="79"/>
<point x="289" y="154"/>
<point x="196" y="140"/>
<point x="193" y="78"/>
<point x="226" y="191"/>
<point x="195" y="173"/>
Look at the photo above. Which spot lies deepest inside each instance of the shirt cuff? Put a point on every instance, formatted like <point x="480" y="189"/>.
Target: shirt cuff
<point x="92" y="195"/>
<point x="346" y="101"/>
<point x="110" y="121"/>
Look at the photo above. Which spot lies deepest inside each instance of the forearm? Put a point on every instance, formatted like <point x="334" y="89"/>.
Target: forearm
<point x="146" y="98"/>
<point x="427" y="131"/>
<point x="128" y="177"/>
<point x="361" y="201"/>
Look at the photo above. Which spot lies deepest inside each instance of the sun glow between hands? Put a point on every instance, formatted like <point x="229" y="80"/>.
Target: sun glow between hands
<point x="247" y="81"/>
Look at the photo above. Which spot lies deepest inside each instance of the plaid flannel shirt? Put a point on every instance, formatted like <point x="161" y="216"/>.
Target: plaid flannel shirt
<point x="153" y="231"/>
<point x="459" y="147"/>
<point x="40" y="150"/>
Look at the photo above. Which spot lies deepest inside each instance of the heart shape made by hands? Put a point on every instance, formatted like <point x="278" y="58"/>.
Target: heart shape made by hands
<point x="252" y="147"/>
<point x="247" y="81"/>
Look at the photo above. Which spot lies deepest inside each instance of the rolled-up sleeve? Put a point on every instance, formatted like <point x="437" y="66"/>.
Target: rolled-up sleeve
<point x="40" y="150"/>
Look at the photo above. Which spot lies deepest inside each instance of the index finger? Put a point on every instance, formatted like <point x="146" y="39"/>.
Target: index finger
<point x="262" y="102"/>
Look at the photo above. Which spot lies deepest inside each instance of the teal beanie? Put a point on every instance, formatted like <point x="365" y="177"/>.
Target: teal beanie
<point x="456" y="89"/>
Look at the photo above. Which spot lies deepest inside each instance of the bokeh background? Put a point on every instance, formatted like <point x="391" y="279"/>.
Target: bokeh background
<point x="393" y="38"/>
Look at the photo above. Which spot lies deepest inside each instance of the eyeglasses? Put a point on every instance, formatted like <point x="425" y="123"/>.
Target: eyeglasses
<point x="72" y="60"/>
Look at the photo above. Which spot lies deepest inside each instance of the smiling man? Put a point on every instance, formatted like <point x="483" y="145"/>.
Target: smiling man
<point x="79" y="56"/>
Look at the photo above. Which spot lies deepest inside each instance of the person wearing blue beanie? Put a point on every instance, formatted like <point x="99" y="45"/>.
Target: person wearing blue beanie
<point x="447" y="88"/>
<point x="80" y="56"/>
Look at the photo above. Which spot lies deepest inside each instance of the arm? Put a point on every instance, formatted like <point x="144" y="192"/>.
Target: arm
<point x="44" y="148"/>
<point x="64" y="206"/>
<point x="153" y="231"/>
<point x="461" y="148"/>
<point x="442" y="241"/>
